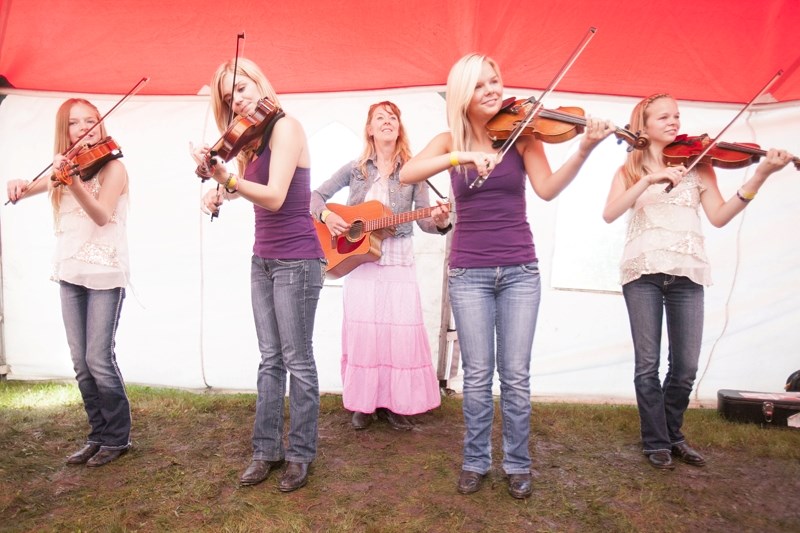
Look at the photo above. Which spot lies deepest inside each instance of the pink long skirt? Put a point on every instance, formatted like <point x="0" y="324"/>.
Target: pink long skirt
<point x="386" y="357"/>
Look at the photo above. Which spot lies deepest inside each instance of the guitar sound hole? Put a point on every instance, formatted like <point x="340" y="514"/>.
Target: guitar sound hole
<point x="356" y="231"/>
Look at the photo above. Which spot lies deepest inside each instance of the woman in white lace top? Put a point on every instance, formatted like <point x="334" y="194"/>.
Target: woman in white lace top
<point x="92" y="270"/>
<point x="664" y="269"/>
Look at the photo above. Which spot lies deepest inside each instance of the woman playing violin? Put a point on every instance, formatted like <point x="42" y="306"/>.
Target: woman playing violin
<point x="92" y="269"/>
<point x="493" y="276"/>
<point x="664" y="268"/>
<point x="286" y="273"/>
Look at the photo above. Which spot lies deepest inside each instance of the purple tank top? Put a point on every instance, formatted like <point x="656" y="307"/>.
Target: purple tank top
<point x="492" y="224"/>
<point x="287" y="233"/>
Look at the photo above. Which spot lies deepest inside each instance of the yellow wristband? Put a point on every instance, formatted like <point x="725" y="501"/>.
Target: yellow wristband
<point x="746" y="195"/>
<point x="231" y="186"/>
<point x="324" y="215"/>
<point x="454" y="159"/>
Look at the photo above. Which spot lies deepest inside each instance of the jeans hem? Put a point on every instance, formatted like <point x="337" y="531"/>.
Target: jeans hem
<point x="473" y="469"/>
<point x="118" y="447"/>
<point x="268" y="459"/>
<point x="649" y="452"/>
<point x="517" y="471"/>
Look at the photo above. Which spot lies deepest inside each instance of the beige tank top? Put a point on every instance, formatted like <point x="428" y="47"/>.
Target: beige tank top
<point x="665" y="235"/>
<point x="86" y="254"/>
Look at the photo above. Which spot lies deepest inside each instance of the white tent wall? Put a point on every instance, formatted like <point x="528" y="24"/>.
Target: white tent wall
<point x="187" y="320"/>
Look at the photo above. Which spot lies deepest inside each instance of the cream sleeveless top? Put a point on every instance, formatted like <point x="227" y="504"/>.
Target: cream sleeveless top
<point x="86" y="254"/>
<point x="665" y="235"/>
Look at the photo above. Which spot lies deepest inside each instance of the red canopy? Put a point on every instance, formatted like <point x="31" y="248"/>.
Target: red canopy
<point x="709" y="50"/>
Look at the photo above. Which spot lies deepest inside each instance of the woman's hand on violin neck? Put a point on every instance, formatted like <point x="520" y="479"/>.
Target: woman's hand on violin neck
<point x="199" y="153"/>
<point x="208" y="166"/>
<point x="596" y="130"/>
<point x="774" y="161"/>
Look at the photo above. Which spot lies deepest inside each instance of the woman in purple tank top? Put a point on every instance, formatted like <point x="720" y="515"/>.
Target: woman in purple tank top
<point x="493" y="276"/>
<point x="286" y="273"/>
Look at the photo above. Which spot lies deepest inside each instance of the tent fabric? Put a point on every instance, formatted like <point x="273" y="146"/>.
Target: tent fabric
<point x="187" y="321"/>
<point x="713" y="51"/>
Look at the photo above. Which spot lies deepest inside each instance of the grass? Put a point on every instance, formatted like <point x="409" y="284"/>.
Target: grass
<point x="190" y="448"/>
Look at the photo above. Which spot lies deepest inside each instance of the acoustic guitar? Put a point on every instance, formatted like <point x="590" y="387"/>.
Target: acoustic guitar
<point x="370" y="223"/>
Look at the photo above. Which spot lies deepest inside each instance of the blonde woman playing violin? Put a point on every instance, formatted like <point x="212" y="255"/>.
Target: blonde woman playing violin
<point x="92" y="269"/>
<point x="286" y="273"/>
<point x="493" y="276"/>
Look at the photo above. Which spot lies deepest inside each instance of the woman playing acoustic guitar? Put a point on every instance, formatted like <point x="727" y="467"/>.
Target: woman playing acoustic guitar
<point x="386" y="358"/>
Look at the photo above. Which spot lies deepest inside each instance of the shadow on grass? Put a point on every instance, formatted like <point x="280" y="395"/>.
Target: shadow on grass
<point x="189" y="450"/>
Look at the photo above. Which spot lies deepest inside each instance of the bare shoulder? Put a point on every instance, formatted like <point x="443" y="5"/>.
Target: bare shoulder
<point x="288" y="125"/>
<point x="114" y="168"/>
<point x="442" y="141"/>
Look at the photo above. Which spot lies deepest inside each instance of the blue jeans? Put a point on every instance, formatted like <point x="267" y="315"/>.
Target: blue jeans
<point x="90" y="320"/>
<point x="662" y="406"/>
<point x="285" y="296"/>
<point x="501" y="301"/>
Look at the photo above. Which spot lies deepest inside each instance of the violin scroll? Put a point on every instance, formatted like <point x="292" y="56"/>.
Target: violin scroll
<point x="636" y="141"/>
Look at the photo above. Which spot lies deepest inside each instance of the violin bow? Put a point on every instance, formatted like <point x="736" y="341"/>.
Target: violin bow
<point x="215" y="214"/>
<point x="715" y="140"/>
<point x="537" y="104"/>
<point x="136" y="89"/>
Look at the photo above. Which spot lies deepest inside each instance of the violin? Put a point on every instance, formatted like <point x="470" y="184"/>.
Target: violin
<point x="242" y="132"/>
<point x="685" y="149"/>
<point x="87" y="161"/>
<point x="550" y="126"/>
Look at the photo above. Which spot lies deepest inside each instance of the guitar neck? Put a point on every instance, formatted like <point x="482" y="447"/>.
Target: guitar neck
<point x="400" y="218"/>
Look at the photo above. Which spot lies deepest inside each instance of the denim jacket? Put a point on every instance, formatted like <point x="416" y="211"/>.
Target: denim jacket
<point x="402" y="197"/>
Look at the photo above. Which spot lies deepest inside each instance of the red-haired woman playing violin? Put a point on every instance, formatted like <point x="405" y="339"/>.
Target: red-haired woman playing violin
<point x="664" y="267"/>
<point x="92" y="269"/>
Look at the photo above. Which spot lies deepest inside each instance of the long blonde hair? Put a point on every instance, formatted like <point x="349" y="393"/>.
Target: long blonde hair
<point x="222" y="110"/>
<point x="402" y="148"/>
<point x="460" y="89"/>
<point x="62" y="141"/>
<point x="635" y="166"/>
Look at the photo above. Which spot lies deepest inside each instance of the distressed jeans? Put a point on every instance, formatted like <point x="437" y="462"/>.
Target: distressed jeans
<point x="284" y="295"/>
<point x="90" y="319"/>
<point x="501" y="301"/>
<point x="662" y="406"/>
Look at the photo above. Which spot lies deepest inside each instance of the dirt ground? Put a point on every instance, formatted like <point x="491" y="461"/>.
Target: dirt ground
<point x="182" y="475"/>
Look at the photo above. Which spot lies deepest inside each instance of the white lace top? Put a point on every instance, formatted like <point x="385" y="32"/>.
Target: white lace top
<point x="86" y="254"/>
<point x="664" y="234"/>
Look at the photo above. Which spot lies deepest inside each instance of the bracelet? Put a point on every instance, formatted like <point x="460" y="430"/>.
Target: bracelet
<point x="454" y="159"/>
<point x="745" y="196"/>
<point x="324" y="215"/>
<point x="231" y="185"/>
<point x="444" y="230"/>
